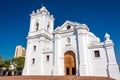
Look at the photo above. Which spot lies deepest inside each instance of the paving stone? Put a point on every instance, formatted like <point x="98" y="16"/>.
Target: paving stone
<point x="53" y="78"/>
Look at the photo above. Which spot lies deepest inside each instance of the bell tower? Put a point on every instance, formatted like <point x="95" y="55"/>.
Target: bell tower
<point x="41" y="21"/>
<point x="39" y="43"/>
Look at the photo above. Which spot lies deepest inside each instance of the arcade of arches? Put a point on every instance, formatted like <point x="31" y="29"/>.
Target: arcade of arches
<point x="69" y="63"/>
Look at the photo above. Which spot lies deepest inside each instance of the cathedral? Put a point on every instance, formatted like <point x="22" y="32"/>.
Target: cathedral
<point x="70" y="49"/>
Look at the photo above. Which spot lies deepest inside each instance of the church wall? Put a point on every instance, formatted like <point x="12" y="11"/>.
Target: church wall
<point x="84" y="55"/>
<point x="57" y="52"/>
<point x="34" y="54"/>
<point x="98" y="64"/>
<point x="47" y="64"/>
<point x="62" y="46"/>
<point x="68" y="46"/>
<point x="47" y="59"/>
<point x="98" y="60"/>
<point x="111" y="54"/>
<point x="112" y="66"/>
<point x="41" y="65"/>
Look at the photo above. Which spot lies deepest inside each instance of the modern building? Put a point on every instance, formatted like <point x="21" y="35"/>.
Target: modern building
<point x="70" y="49"/>
<point x="20" y="52"/>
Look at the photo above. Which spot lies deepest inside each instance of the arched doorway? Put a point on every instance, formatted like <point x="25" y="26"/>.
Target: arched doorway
<point x="69" y="63"/>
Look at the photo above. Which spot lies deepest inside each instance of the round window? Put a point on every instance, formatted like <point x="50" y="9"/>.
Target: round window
<point x="68" y="27"/>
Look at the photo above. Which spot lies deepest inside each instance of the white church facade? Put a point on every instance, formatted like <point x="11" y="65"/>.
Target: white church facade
<point x="70" y="49"/>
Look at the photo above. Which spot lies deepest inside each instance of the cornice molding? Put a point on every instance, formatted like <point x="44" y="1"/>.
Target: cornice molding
<point x="108" y="44"/>
<point x="68" y="31"/>
<point x="47" y="52"/>
<point x="40" y="35"/>
<point x="100" y="45"/>
<point x="95" y="46"/>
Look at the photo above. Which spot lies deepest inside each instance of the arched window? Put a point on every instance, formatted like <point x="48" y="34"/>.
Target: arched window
<point x="47" y="57"/>
<point x="33" y="61"/>
<point x="69" y="40"/>
<point x="34" y="48"/>
<point x="48" y="27"/>
<point x="37" y="26"/>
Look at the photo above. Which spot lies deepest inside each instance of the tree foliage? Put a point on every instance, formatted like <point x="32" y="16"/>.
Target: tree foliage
<point x="19" y="62"/>
<point x="1" y="64"/>
<point x="6" y="63"/>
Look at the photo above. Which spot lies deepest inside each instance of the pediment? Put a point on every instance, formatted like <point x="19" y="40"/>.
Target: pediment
<point x="69" y="25"/>
<point x="66" y="26"/>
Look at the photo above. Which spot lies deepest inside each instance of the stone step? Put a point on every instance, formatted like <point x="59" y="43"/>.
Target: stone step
<point x="53" y="78"/>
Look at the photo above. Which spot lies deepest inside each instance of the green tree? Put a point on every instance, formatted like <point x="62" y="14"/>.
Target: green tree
<point x="19" y="62"/>
<point x="1" y="64"/>
<point x="6" y="63"/>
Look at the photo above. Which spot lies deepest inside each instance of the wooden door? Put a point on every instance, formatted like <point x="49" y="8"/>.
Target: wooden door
<point x="69" y="63"/>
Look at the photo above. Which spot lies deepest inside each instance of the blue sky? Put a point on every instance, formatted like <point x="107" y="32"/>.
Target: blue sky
<point x="101" y="16"/>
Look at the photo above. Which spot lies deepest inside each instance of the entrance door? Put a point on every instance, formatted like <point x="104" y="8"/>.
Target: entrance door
<point x="69" y="63"/>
